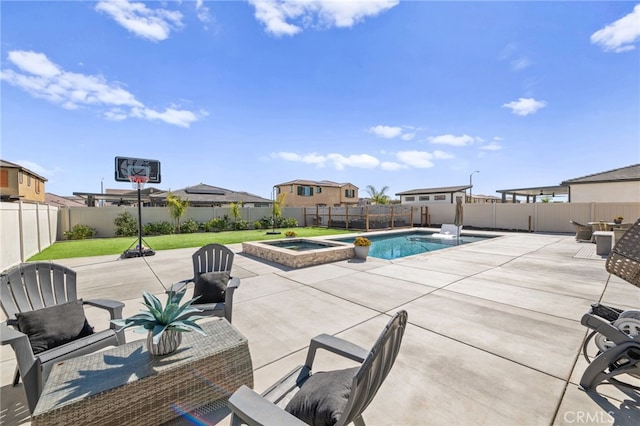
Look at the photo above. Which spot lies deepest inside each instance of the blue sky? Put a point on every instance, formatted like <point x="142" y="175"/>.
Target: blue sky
<point x="248" y="94"/>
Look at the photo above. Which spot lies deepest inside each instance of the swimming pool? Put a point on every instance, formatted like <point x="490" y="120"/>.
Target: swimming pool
<point x="396" y="245"/>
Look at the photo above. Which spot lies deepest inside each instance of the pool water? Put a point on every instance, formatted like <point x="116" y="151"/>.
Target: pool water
<point x="299" y="245"/>
<point x="394" y="246"/>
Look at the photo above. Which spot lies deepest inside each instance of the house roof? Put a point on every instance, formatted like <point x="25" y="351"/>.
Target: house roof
<point x="9" y="165"/>
<point x="536" y="191"/>
<point x="315" y="183"/>
<point x="203" y="193"/>
<point x="60" y="201"/>
<point x="446" y="189"/>
<point x="629" y="173"/>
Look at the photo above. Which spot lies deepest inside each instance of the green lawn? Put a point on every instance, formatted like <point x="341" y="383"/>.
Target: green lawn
<point x="105" y="246"/>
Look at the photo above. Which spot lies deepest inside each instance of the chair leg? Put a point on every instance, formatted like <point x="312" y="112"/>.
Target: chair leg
<point x="359" y="421"/>
<point x="16" y="377"/>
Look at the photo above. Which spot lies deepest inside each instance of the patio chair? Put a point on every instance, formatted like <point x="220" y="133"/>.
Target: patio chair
<point x="44" y="315"/>
<point x="616" y="331"/>
<point x="212" y="281"/>
<point x="583" y="232"/>
<point x="339" y="396"/>
<point x="448" y="231"/>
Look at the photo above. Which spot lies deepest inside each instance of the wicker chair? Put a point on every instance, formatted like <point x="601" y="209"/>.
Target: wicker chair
<point x="583" y="232"/>
<point x="616" y="332"/>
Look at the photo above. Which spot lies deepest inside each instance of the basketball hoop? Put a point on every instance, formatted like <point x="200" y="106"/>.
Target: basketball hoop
<point x="138" y="181"/>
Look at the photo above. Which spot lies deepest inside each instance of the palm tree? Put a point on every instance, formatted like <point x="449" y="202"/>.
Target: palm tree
<point x="177" y="208"/>
<point x="378" y="197"/>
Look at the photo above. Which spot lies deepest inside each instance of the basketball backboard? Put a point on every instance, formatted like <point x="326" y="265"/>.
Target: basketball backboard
<point x="126" y="167"/>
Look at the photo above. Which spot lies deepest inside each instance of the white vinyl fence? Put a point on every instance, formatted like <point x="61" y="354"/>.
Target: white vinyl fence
<point x="26" y="229"/>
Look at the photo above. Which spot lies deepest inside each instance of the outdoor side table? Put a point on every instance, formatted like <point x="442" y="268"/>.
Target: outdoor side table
<point x="604" y="242"/>
<point x="128" y="385"/>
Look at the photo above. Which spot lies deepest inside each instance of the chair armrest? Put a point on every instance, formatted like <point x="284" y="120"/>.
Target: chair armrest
<point x="113" y="306"/>
<point x="336" y="345"/>
<point x="179" y="285"/>
<point x="9" y="334"/>
<point x="234" y="283"/>
<point x="254" y="410"/>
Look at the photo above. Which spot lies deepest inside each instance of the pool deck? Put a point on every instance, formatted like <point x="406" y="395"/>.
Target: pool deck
<point x="494" y="334"/>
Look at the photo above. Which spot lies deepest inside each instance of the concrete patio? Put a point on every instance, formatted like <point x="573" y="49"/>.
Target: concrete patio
<point x="494" y="335"/>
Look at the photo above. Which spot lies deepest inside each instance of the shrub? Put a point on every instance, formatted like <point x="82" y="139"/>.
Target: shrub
<point x="158" y="228"/>
<point x="241" y="225"/>
<point x="257" y="225"/>
<point x="126" y="225"/>
<point x="288" y="222"/>
<point x="219" y="224"/>
<point x="80" y="232"/>
<point x="290" y="234"/>
<point x="189" y="226"/>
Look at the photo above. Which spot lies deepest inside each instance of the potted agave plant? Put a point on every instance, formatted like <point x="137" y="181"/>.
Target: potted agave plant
<point x="362" y="245"/>
<point x="164" y="324"/>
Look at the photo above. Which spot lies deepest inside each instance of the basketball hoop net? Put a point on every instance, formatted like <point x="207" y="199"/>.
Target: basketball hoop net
<point x="138" y="182"/>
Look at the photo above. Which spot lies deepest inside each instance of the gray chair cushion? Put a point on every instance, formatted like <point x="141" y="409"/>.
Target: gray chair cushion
<point x="322" y="398"/>
<point x="211" y="287"/>
<point x="54" y="326"/>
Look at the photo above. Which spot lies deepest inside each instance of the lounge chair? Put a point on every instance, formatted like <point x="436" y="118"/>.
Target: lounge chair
<point x="338" y="396"/>
<point x="448" y="231"/>
<point x="46" y="324"/>
<point x="583" y="232"/>
<point x="616" y="333"/>
<point x="212" y="281"/>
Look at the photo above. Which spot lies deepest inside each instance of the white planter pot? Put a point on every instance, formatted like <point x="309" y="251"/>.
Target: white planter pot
<point x="361" y="251"/>
<point x="169" y="342"/>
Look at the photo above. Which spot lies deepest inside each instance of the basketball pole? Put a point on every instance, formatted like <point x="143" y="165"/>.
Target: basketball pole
<point x="139" y="221"/>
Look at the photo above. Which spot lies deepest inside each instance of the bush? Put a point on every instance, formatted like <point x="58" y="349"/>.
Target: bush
<point x="219" y="224"/>
<point x="80" y="232"/>
<point x="257" y="225"/>
<point x="158" y="228"/>
<point x="288" y="222"/>
<point x="241" y="225"/>
<point x="126" y="225"/>
<point x="189" y="226"/>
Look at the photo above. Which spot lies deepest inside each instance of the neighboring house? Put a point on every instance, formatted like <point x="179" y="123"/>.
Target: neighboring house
<point x="311" y="193"/>
<point x="64" y="201"/>
<point x="203" y="195"/>
<point x="485" y="199"/>
<point x="425" y="196"/>
<point x="18" y="183"/>
<point x="619" y="186"/>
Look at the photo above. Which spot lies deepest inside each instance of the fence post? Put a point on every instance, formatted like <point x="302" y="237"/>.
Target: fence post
<point x="21" y="230"/>
<point x="366" y="218"/>
<point x="346" y="217"/>
<point x="329" y="219"/>
<point x="391" y="217"/>
<point x="411" y="216"/>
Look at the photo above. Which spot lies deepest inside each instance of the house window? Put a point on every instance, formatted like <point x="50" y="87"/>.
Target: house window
<point x="305" y="191"/>
<point x="20" y="176"/>
<point x="440" y="197"/>
<point x="410" y="198"/>
<point x="28" y="180"/>
<point x="277" y="190"/>
<point x="318" y="189"/>
<point x="4" y="178"/>
<point x="37" y="186"/>
<point x="291" y="188"/>
<point x="349" y="193"/>
<point x="423" y="198"/>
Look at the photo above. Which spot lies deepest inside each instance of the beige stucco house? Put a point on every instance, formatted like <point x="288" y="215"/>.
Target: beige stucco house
<point x="426" y="196"/>
<point x="311" y="193"/>
<point x="19" y="183"/>
<point x="618" y="186"/>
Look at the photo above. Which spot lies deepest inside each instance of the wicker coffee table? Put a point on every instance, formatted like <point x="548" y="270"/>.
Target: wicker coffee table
<point x="127" y="385"/>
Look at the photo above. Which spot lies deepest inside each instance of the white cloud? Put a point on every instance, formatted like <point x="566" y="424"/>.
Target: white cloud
<point x="408" y="136"/>
<point x="277" y="15"/>
<point x="525" y="106"/>
<point x="442" y="155"/>
<point x="361" y="161"/>
<point x="391" y="165"/>
<point x="417" y="159"/>
<point x="202" y="12"/>
<point x="151" y="24"/>
<point x="386" y="132"/>
<point x="521" y="63"/>
<point x="43" y="79"/>
<point x="619" y="36"/>
<point x="492" y="146"/>
<point x="452" y="140"/>
<point x="517" y="62"/>
<point x="37" y="168"/>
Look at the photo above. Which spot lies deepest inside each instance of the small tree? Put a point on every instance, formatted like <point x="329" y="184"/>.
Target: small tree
<point x="235" y="212"/>
<point x="378" y="197"/>
<point x="278" y="206"/>
<point x="177" y="208"/>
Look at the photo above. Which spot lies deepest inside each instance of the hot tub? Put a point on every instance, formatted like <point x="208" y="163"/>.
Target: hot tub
<point x="299" y="252"/>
